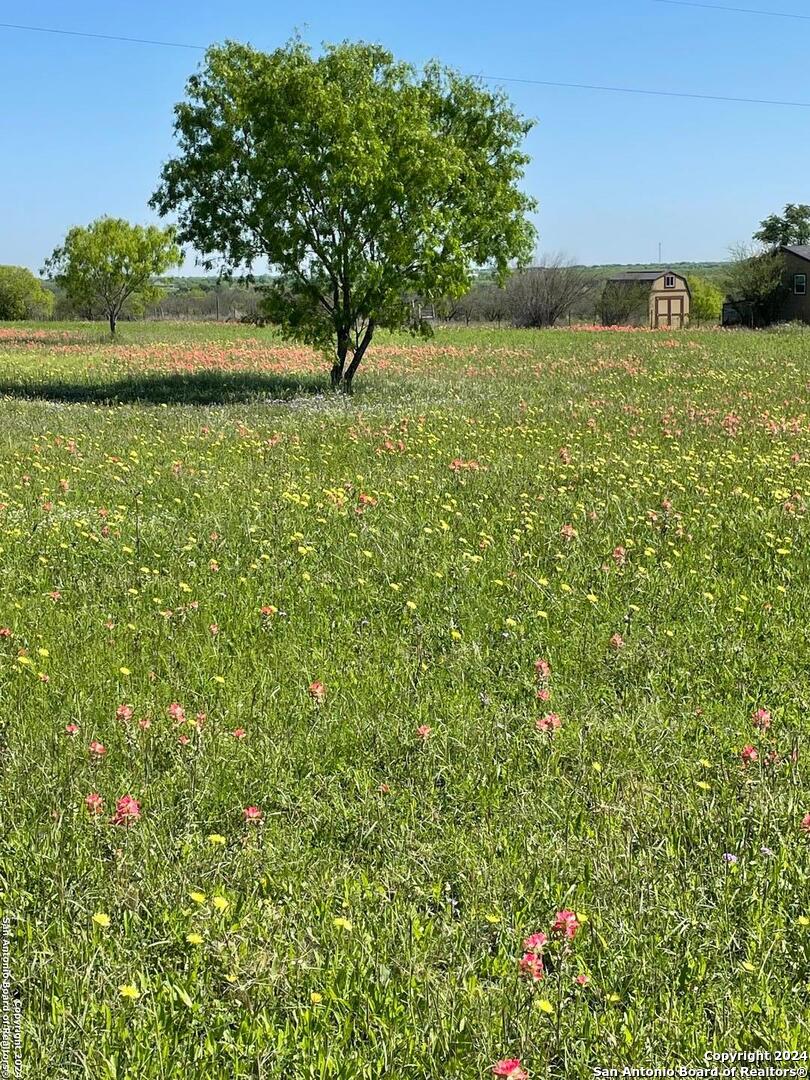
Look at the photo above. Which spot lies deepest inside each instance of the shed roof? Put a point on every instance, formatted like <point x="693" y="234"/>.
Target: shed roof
<point x="802" y="250"/>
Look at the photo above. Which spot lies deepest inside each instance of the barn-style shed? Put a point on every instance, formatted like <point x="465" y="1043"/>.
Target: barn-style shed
<point x="669" y="295"/>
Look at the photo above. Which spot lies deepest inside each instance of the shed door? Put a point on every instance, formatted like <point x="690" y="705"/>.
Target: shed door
<point x="669" y="311"/>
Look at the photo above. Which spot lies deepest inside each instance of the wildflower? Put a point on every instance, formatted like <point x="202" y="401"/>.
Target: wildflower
<point x="548" y="724"/>
<point x="252" y="813"/>
<point x="317" y="691"/>
<point x="543" y="694"/>
<point x="545" y="1006"/>
<point x="804" y="825"/>
<point x="315" y="997"/>
<point x="94" y="803"/>
<point x="510" y="1068"/>
<point x="220" y="903"/>
<point x="761" y="719"/>
<point x="239" y="733"/>
<point x="97" y="748"/>
<point x="531" y="964"/>
<point x="124" y="712"/>
<point x="616" y="642"/>
<point x="5" y="632"/>
<point x="342" y="923"/>
<point x="71" y="729"/>
<point x="535" y="942"/>
<point x="568" y="532"/>
<point x="213" y="629"/>
<point x="101" y="918"/>
<point x="177" y="712"/>
<point x="619" y="555"/>
<point x="424" y="731"/>
<point x="127" y="990"/>
<point x="748" y="754"/>
<point x="127" y="810"/>
<point x="542" y="669"/>
<point x="729" y="858"/>
<point x="216" y="838"/>
<point x="194" y="939"/>
<point x="566" y="923"/>
<point x="582" y="980"/>
<point x="197" y="897"/>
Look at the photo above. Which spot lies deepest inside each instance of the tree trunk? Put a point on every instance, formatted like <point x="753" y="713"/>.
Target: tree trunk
<point x="112" y="324"/>
<point x="359" y="352"/>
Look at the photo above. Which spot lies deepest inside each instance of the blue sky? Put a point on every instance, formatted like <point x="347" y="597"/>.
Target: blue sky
<point x="86" y="124"/>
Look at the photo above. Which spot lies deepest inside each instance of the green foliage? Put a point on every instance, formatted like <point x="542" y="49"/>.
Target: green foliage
<point x="758" y="279"/>
<point x="622" y="303"/>
<point x="360" y="180"/>
<point x="110" y="264"/>
<point x="793" y="227"/>
<point x="23" y="296"/>
<point x="223" y="558"/>
<point x="706" y="300"/>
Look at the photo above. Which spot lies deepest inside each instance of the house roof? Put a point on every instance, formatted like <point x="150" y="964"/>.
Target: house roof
<point x="802" y="250"/>
<point x="643" y="275"/>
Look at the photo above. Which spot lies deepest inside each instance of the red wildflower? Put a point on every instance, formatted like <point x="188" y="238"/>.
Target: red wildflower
<point x="535" y="942"/>
<point x="423" y="731"/>
<point x="543" y="694"/>
<point x="97" y="748"/>
<point x="177" y="712"/>
<point x="619" y="555"/>
<point x="748" y="754"/>
<point x="548" y="724"/>
<point x="124" y="712"/>
<point x="317" y="691"/>
<point x="239" y="733"/>
<point x="127" y="810"/>
<point x="510" y="1068"/>
<point x="252" y="813"/>
<point x="5" y="631"/>
<point x="566" y="923"/>
<point x="531" y="964"/>
<point x="94" y="803"/>
<point x="71" y="729"/>
<point x="761" y="719"/>
<point x="542" y="669"/>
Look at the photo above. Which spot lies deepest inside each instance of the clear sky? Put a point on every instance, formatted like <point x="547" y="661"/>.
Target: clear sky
<point x="85" y="124"/>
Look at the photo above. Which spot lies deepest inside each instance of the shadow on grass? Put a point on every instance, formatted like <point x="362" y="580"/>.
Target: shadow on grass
<point x="200" y="388"/>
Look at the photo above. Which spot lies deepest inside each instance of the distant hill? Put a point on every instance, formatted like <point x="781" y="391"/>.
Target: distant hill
<point x="712" y="271"/>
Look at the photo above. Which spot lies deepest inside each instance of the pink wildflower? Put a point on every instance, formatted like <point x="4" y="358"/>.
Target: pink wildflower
<point x="548" y="724"/>
<point x="94" y="803"/>
<point x="252" y="813"/>
<point x="71" y="729"/>
<point x="748" y="754"/>
<point x="424" y="731"/>
<point x="127" y="810"/>
<point x="761" y="719"/>
<point x="566" y="923"/>
<point x="531" y="964"/>
<point x="97" y="748"/>
<point x="510" y="1068"/>
<point x="317" y="691"/>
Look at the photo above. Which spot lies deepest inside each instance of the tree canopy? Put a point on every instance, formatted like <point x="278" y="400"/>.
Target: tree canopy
<point x="792" y="227"/>
<point x="23" y="296"/>
<point x="111" y="263"/>
<point x="360" y="180"/>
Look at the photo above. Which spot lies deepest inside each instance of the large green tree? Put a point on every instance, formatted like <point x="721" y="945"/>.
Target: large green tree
<point x="111" y="263"/>
<point x="791" y="227"/>
<point x="22" y="296"/>
<point x="359" y="180"/>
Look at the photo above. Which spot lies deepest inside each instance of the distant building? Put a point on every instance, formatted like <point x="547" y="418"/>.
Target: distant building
<point x="669" y="299"/>
<point x="794" y="305"/>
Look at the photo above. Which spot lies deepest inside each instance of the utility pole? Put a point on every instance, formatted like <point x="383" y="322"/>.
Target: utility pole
<point x="659" y="252"/>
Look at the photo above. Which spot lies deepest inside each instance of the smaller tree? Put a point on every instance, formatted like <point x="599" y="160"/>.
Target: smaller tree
<point x="22" y="296"/>
<point x="707" y="300"/>
<point x="545" y="294"/>
<point x="793" y="227"/>
<point x="758" y="280"/>
<point x="111" y="263"/>
<point x="622" y="303"/>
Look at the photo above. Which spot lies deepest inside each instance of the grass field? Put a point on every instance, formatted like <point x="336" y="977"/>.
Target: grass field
<point x="224" y="591"/>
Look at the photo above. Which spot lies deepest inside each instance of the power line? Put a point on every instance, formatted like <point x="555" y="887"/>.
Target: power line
<point x="655" y="93"/>
<point x="101" y="37"/>
<point x="485" y="78"/>
<point x="736" y="10"/>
